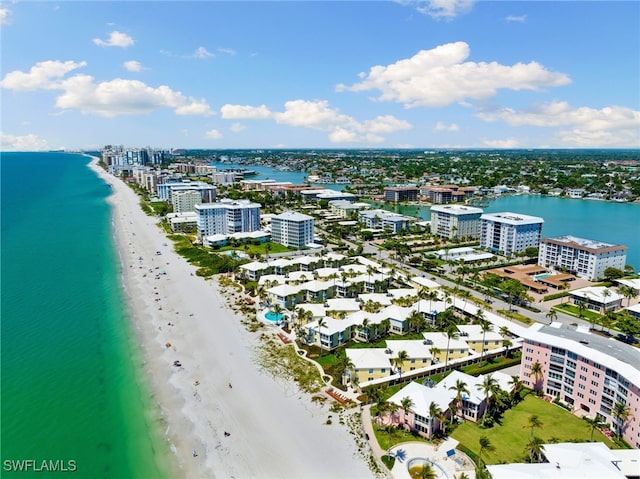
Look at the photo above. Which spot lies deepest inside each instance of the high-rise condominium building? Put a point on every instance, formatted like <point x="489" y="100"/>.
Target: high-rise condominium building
<point x="583" y="257"/>
<point x="509" y="232"/>
<point x="292" y="229"/>
<point x="455" y="221"/>
<point x="227" y="217"/>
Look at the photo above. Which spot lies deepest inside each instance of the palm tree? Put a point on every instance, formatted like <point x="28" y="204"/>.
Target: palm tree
<point x="581" y="308"/>
<point x="484" y="326"/>
<point x="322" y="323"/>
<point x="628" y="292"/>
<point x="434" y="413"/>
<point x="533" y="423"/>
<point x="595" y="423"/>
<point x="537" y="373"/>
<point x="485" y="447"/>
<point x="552" y="315"/>
<point x="489" y="387"/>
<point x="400" y="359"/>
<point x="428" y="472"/>
<point x="415" y="320"/>
<point x="364" y="327"/>
<point x="516" y="387"/>
<point x="434" y="351"/>
<point x="406" y="404"/>
<point x="504" y="331"/>
<point x="452" y="333"/>
<point x="622" y="414"/>
<point x="605" y="294"/>
<point x="460" y="388"/>
<point x="534" y="449"/>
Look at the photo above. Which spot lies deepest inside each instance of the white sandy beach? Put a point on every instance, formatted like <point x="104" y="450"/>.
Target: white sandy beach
<point x="275" y="430"/>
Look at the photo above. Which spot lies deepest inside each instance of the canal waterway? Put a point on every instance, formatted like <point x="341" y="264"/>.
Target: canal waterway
<point x="611" y="222"/>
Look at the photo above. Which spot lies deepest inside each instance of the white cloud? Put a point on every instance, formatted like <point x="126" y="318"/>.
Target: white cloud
<point x="319" y="115"/>
<point x="43" y="75"/>
<point x="29" y="142"/>
<point x="202" y="52"/>
<point x="124" y="97"/>
<point x="442" y="126"/>
<point x="516" y="18"/>
<point x="589" y="127"/>
<point x="226" y="51"/>
<point x="244" y="112"/>
<point x="441" y="76"/>
<point x="237" y="127"/>
<point x="445" y="9"/>
<point x="507" y="143"/>
<point x="133" y="66"/>
<point x="213" y="135"/>
<point x="116" y="39"/>
<point x="109" y="98"/>
<point x="5" y="13"/>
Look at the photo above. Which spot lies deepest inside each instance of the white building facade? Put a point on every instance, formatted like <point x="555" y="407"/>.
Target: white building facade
<point x="509" y="232"/>
<point x="227" y="217"/>
<point x="292" y="229"/>
<point x="584" y="257"/>
<point x="185" y="201"/>
<point x="455" y="221"/>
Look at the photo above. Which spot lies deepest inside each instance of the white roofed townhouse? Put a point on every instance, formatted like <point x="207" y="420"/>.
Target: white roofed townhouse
<point x="478" y="340"/>
<point x="328" y="333"/>
<point x="583" y="257"/>
<point x="370" y="363"/>
<point x="597" y="298"/>
<point x="509" y="233"/>
<point x="419" y="417"/>
<point x="292" y="229"/>
<point x="455" y="221"/>
<point x="448" y="348"/>
<point x="227" y="217"/>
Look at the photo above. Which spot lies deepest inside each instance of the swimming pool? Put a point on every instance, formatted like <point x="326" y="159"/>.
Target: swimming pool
<point x="540" y="276"/>
<point x="417" y="464"/>
<point x="274" y="317"/>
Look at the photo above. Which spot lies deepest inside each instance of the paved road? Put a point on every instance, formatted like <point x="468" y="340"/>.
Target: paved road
<point x="497" y="304"/>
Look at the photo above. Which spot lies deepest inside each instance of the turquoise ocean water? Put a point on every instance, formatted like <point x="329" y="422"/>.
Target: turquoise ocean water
<point x="72" y="384"/>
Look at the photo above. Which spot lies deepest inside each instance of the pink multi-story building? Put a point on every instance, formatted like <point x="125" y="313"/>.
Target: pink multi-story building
<point x="588" y="372"/>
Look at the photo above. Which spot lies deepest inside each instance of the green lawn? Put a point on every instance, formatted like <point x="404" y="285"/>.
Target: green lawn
<point x="511" y="437"/>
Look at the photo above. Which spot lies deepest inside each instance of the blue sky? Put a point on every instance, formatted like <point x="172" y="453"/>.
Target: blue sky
<point x="382" y="74"/>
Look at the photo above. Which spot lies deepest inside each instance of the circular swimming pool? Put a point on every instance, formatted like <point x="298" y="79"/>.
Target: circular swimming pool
<point x="417" y="464"/>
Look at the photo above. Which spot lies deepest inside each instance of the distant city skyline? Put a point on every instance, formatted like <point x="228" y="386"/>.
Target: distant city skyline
<point x="334" y="75"/>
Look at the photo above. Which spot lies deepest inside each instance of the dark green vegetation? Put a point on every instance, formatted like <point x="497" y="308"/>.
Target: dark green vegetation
<point x="208" y="263"/>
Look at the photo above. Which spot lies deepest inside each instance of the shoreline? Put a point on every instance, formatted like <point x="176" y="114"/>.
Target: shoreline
<point x="275" y="430"/>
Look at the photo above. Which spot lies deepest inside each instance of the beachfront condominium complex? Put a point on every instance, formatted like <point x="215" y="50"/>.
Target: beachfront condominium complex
<point x="455" y="221"/>
<point x="292" y="229"/>
<point x="166" y="189"/>
<point x="227" y="217"/>
<point x="185" y="201"/>
<point x="583" y="257"/>
<point x="592" y="374"/>
<point x="509" y="233"/>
